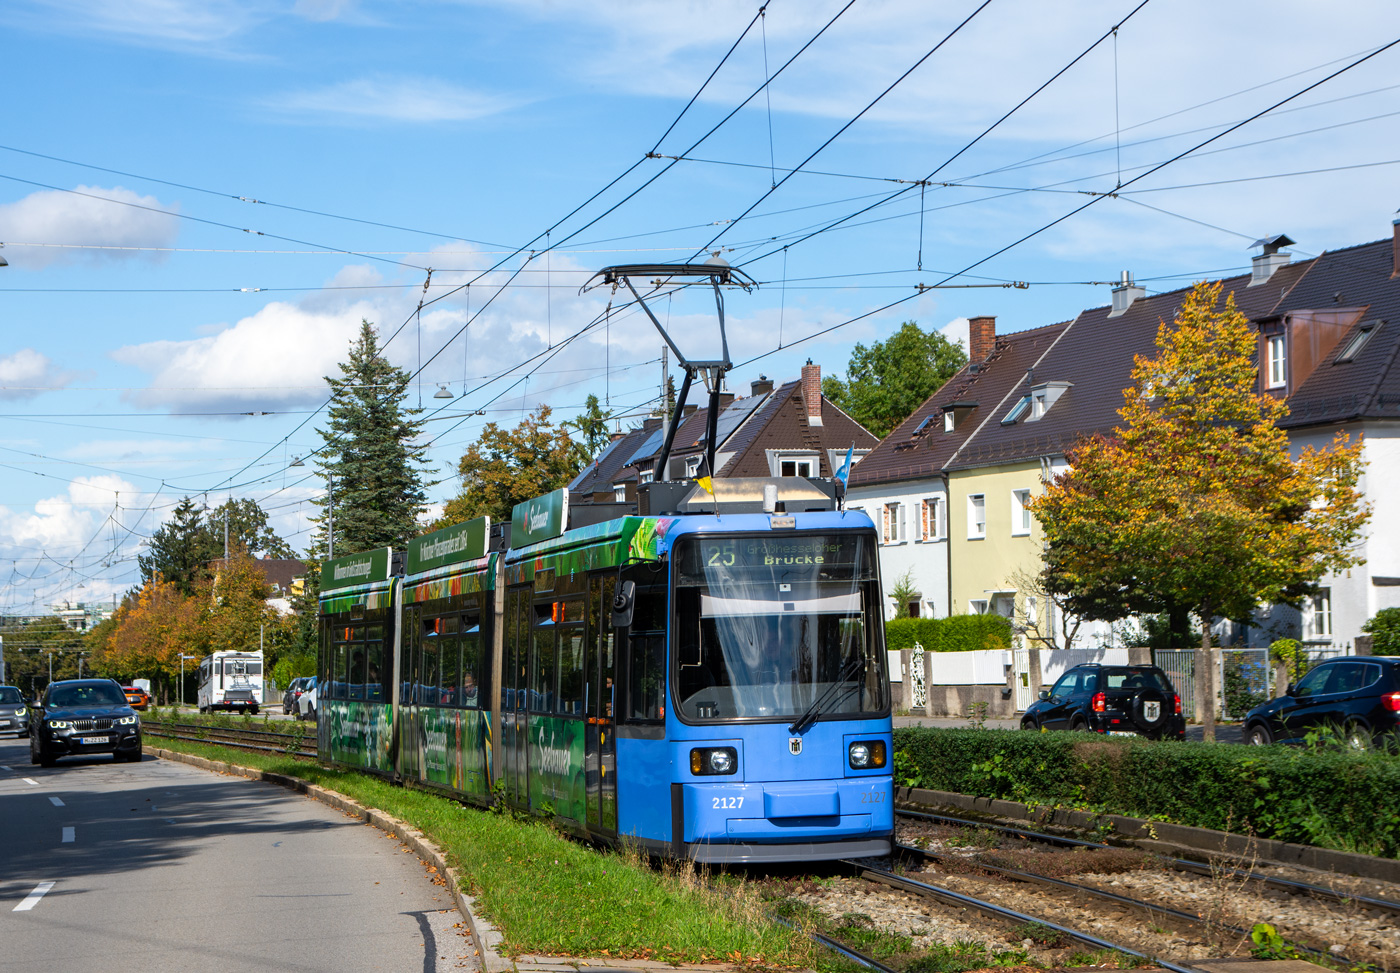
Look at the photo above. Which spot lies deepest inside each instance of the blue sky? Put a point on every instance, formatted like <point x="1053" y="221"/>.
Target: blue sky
<point x="199" y="201"/>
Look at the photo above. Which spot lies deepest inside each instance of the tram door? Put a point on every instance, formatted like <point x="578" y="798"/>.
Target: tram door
<point x="599" y="746"/>
<point x="514" y="691"/>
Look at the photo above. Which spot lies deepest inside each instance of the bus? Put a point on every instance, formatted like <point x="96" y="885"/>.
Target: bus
<point x="231" y="681"/>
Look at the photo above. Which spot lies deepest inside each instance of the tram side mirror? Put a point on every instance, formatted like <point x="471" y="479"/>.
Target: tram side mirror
<point x="624" y="601"/>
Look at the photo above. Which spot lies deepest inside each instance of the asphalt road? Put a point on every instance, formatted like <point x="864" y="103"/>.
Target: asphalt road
<point x="159" y="866"/>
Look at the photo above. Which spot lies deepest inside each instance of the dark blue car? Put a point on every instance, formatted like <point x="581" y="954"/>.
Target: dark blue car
<point x="1356" y="696"/>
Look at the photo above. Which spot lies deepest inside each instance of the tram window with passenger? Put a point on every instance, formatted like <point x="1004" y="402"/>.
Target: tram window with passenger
<point x="766" y="626"/>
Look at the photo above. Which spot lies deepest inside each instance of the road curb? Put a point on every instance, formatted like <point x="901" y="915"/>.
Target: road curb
<point x="487" y="937"/>
<point x="1160" y="836"/>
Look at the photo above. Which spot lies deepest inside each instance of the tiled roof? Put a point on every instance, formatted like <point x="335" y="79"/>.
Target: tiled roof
<point x="903" y="456"/>
<point x="1095" y="357"/>
<point x="599" y="474"/>
<point x="1368" y="386"/>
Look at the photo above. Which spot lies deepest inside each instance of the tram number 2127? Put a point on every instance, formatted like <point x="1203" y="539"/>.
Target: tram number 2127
<point x="727" y="803"/>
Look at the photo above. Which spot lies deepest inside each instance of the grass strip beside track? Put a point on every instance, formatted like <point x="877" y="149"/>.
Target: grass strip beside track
<point x="550" y="895"/>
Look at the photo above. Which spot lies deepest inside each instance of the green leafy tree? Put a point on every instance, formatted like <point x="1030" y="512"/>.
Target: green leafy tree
<point x="509" y="466"/>
<point x="248" y="530"/>
<point x="887" y="381"/>
<point x="1195" y="501"/>
<point x="1384" y="629"/>
<point x="371" y="453"/>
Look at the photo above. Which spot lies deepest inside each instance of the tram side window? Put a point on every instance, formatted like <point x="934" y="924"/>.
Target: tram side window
<point x="543" y="659"/>
<point x="428" y="670"/>
<point x="515" y="649"/>
<point x="408" y="671"/>
<point x="647" y="656"/>
<point x="599" y="692"/>
<point x="374" y="663"/>
<point x="473" y="677"/>
<point x="340" y="664"/>
<point x="448" y="661"/>
<point x="571" y="657"/>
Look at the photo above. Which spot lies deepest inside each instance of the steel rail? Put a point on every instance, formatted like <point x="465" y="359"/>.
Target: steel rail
<point x="232" y="737"/>
<point x="1182" y="864"/>
<point x="1000" y="912"/>
<point x="1151" y="908"/>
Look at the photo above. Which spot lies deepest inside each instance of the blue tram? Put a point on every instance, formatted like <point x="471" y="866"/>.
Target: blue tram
<point x="708" y="685"/>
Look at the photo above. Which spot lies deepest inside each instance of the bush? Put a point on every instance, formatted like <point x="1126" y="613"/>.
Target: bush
<point x="1290" y="653"/>
<point x="1333" y="798"/>
<point x="1384" y="630"/>
<point x="956" y="633"/>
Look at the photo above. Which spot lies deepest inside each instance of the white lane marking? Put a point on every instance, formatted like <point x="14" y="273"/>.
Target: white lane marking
<point x="70" y="835"/>
<point x="56" y="802"/>
<point x="32" y="899"/>
<point x="31" y="780"/>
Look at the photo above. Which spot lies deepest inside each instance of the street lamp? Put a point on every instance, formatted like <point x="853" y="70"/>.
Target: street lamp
<point x="182" y="676"/>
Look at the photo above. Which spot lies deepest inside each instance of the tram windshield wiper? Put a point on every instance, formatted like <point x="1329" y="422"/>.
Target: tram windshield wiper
<point x="809" y="717"/>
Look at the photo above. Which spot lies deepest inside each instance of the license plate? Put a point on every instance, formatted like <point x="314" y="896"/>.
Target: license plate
<point x="1121" y="733"/>
<point x="87" y="740"/>
<point x="4" y="722"/>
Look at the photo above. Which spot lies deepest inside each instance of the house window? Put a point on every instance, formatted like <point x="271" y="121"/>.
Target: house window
<point x="1317" y="616"/>
<point x="948" y="421"/>
<point x="933" y="519"/>
<point x="692" y="465"/>
<point x="1278" y="361"/>
<point x="646" y="475"/>
<point x="1020" y="512"/>
<point x="620" y="492"/>
<point x="793" y="463"/>
<point x="1017" y="410"/>
<point x="978" y="606"/>
<point x="893" y="523"/>
<point x="796" y="467"/>
<point x="1038" y="405"/>
<point x="1357" y="342"/>
<point x="976" y="516"/>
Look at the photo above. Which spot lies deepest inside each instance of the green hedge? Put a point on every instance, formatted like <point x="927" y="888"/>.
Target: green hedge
<point x="956" y="633"/>
<point x="1330" y="797"/>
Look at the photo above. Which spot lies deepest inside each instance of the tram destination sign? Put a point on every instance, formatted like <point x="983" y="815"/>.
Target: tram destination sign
<point x="451" y="545"/>
<point x="353" y="569"/>
<point x="539" y="519"/>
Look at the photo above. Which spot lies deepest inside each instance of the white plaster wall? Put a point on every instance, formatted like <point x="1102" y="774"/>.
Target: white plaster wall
<point x="927" y="560"/>
<point x="1354" y="597"/>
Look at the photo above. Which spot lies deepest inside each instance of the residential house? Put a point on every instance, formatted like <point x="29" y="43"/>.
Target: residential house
<point x="284" y="579"/>
<point x="790" y="430"/>
<point x="902" y="485"/>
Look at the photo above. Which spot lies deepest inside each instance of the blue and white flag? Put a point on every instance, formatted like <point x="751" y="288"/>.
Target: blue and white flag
<point x="844" y="473"/>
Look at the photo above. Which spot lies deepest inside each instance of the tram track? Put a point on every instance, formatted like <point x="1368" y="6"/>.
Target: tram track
<point x="1209" y="869"/>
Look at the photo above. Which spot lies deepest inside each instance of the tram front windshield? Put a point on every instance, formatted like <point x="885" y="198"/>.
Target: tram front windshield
<point x="767" y="625"/>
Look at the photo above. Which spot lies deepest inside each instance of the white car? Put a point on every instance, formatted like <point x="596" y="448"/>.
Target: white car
<point x="306" y="703"/>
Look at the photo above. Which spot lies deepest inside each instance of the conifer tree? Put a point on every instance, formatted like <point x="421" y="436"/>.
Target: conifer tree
<point x="371" y="455"/>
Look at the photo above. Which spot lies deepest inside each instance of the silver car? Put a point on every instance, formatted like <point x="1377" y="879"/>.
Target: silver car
<point x="14" y="712"/>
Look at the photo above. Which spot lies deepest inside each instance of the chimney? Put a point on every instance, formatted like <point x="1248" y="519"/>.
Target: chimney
<point x="1395" y="247"/>
<point x="812" y="392"/>
<point x="981" y="338"/>
<point x="1266" y="263"/>
<point x="1125" y="294"/>
<point x="764" y="385"/>
<point x="725" y="400"/>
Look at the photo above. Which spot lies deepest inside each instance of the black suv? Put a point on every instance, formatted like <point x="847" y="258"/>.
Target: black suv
<point x="1117" y="700"/>
<point x="82" y="716"/>
<point x="1357" y="696"/>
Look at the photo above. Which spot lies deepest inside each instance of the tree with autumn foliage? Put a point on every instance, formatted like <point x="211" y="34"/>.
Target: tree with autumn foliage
<point x="148" y="633"/>
<point x="509" y="466"/>
<point x="1195" y="503"/>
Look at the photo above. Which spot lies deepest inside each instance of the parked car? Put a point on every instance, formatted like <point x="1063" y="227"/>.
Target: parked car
<point x="14" y="712"/>
<point x="294" y="689"/>
<point x="83" y="716"/>
<point x="1116" y="700"/>
<point x="1356" y="696"/>
<point x="306" y="702"/>
<point x="137" y="697"/>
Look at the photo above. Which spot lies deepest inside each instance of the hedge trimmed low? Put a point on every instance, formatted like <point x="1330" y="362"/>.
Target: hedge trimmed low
<point x="956" y="633"/>
<point x="1330" y="797"/>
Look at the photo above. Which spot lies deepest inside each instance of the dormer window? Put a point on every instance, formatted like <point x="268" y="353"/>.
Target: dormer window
<point x="956" y="412"/>
<point x="1043" y="397"/>
<point x="620" y="492"/>
<point x="949" y="423"/>
<point x="1358" y="341"/>
<point x="645" y="476"/>
<point x="1277" y="350"/>
<point x="1018" y="410"/>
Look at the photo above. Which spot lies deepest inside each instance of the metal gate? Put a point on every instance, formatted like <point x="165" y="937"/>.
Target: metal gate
<point x="1021" y="679"/>
<point x="918" y="691"/>
<point x="1180" y="667"/>
<point x="1244" y="681"/>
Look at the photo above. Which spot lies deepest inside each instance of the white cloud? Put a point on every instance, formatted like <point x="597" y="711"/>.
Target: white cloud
<point x="179" y="23"/>
<point x="26" y="373"/>
<point x="85" y="218"/>
<point x="393" y="99"/>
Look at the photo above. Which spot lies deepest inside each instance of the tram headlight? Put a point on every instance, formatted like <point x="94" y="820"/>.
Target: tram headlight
<point x="713" y="761"/>
<point x="867" y="754"/>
